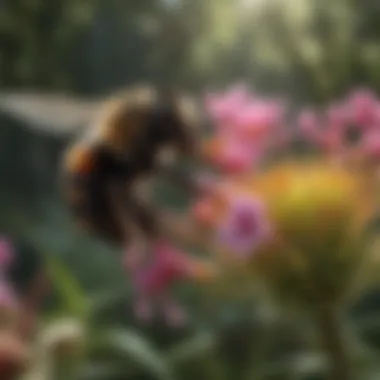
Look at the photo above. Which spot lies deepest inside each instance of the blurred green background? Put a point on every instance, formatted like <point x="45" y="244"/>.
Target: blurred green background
<point x="309" y="51"/>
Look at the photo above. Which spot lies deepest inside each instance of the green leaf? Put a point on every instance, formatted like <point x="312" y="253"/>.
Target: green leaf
<point x="136" y="348"/>
<point x="72" y="295"/>
<point x="101" y="371"/>
<point x="195" y="347"/>
<point x="101" y="302"/>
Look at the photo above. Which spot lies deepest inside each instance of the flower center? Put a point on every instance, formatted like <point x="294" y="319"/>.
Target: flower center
<point x="245" y="224"/>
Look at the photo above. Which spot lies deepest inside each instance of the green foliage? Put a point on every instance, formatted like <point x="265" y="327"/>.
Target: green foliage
<point x="129" y="345"/>
<point x="73" y="298"/>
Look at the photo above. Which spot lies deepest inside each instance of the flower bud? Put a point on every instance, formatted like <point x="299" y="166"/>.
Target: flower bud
<point x="314" y="204"/>
<point x="64" y="338"/>
<point x="311" y="216"/>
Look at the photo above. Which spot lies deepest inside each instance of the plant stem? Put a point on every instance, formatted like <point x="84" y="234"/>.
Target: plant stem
<point x="332" y="337"/>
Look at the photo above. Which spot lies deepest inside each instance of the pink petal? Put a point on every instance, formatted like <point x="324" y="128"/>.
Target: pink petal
<point x="371" y="144"/>
<point x="223" y="108"/>
<point x="253" y="122"/>
<point x="238" y="95"/>
<point x="309" y="124"/>
<point x="331" y="141"/>
<point x="363" y="106"/>
<point x="236" y="158"/>
<point x="337" y="116"/>
<point x="245" y="226"/>
<point x="167" y="266"/>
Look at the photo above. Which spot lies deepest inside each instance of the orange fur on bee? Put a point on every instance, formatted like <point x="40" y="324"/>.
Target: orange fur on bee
<point x="80" y="159"/>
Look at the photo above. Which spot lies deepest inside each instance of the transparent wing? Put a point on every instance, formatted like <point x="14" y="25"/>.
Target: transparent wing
<point x="50" y="113"/>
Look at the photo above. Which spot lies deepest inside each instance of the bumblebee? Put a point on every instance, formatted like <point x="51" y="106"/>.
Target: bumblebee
<point x="103" y="170"/>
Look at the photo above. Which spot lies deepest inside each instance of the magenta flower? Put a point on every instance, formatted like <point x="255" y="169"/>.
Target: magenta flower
<point x="167" y="266"/>
<point x="245" y="226"/>
<point x="153" y="281"/>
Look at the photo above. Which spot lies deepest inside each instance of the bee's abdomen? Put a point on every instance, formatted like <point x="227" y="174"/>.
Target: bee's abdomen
<point x="85" y="183"/>
<point x="90" y="208"/>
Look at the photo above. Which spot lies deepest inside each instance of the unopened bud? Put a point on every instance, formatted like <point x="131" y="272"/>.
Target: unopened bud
<point x="64" y="338"/>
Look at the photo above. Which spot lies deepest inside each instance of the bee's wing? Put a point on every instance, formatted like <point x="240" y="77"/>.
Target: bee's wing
<point x="50" y="113"/>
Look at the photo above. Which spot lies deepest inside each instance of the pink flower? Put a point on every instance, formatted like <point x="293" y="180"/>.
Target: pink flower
<point x="309" y="124"/>
<point x="248" y="125"/>
<point x="245" y="227"/>
<point x="257" y="120"/>
<point x="224" y="108"/>
<point x="239" y="94"/>
<point x="330" y="137"/>
<point x="364" y="108"/>
<point x="167" y="266"/>
<point x="152" y="283"/>
<point x="370" y="144"/>
<point x="337" y="116"/>
<point x="331" y="141"/>
<point x="236" y="157"/>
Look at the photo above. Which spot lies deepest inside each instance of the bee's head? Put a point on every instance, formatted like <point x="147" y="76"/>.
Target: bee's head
<point x="145" y="119"/>
<point x="122" y="119"/>
<point x="174" y="123"/>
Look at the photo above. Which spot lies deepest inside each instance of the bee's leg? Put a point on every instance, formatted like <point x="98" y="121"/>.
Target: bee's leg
<point x="160" y="222"/>
<point x="134" y="241"/>
<point x="142" y="209"/>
